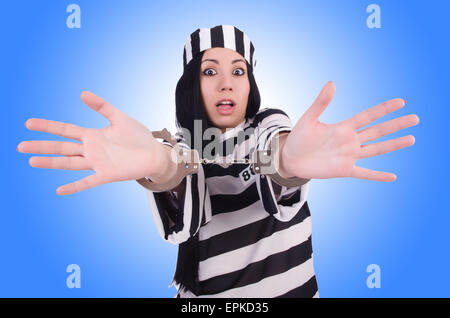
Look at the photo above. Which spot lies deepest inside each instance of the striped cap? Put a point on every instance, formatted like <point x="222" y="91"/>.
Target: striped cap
<point x="226" y="36"/>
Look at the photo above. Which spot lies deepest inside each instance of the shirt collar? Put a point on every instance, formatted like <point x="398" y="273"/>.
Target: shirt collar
<point x="229" y="133"/>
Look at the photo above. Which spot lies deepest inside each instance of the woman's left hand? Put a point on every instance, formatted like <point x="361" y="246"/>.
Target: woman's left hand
<point x="321" y="151"/>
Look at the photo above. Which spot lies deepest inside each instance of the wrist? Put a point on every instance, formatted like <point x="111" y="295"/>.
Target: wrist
<point x="283" y="160"/>
<point x="163" y="167"/>
<point x="283" y="165"/>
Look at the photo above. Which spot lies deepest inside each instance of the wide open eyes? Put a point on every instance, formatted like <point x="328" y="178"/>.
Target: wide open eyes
<point x="211" y="72"/>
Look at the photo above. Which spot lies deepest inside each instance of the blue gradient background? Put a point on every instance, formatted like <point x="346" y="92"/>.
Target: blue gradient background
<point x="130" y="53"/>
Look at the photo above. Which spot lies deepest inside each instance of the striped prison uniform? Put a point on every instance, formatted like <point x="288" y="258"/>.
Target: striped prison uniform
<point x="254" y="235"/>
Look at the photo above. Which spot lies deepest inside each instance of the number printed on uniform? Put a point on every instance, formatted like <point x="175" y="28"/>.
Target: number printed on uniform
<point x="247" y="175"/>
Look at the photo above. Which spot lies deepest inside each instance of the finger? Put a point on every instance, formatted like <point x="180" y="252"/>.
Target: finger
<point x="383" y="147"/>
<point x="86" y="183"/>
<point x="321" y="102"/>
<point x="64" y="163"/>
<point x="64" y="148"/>
<point x="100" y="105"/>
<point x="55" y="127"/>
<point x="386" y="128"/>
<point x="369" y="115"/>
<point x="363" y="173"/>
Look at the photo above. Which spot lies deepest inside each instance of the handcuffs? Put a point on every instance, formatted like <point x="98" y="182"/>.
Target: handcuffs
<point x="189" y="163"/>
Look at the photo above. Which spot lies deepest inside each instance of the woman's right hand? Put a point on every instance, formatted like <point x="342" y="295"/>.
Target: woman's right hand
<point x="125" y="150"/>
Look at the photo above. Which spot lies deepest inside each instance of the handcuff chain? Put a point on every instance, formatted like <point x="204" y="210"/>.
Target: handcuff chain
<point x="237" y="161"/>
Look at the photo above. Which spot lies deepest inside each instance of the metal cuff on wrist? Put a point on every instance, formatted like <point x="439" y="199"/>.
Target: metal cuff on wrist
<point x="187" y="163"/>
<point x="264" y="163"/>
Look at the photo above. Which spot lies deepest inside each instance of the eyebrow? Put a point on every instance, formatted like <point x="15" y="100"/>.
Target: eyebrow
<point x="217" y="62"/>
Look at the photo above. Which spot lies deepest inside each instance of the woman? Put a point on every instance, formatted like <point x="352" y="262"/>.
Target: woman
<point x="239" y="233"/>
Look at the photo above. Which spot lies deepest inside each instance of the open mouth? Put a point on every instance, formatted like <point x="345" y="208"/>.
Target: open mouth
<point x="225" y="107"/>
<point x="225" y="104"/>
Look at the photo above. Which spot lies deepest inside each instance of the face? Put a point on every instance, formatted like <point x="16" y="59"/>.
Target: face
<point x="223" y="77"/>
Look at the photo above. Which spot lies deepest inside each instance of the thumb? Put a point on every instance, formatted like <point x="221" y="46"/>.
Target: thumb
<point x="100" y="105"/>
<point x="322" y="101"/>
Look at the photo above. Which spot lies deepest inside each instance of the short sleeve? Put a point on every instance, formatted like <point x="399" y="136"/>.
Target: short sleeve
<point x="179" y="219"/>
<point x="286" y="203"/>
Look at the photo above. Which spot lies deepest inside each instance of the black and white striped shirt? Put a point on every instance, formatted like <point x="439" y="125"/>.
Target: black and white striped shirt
<point x="254" y="241"/>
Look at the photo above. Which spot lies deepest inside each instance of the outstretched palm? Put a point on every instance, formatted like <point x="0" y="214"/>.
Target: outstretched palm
<point x="318" y="150"/>
<point x="125" y="150"/>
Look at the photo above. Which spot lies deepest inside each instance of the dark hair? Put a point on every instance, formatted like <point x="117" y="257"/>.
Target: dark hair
<point x="189" y="107"/>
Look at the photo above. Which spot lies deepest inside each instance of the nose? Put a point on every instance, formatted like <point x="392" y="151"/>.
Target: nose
<point x="226" y="83"/>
